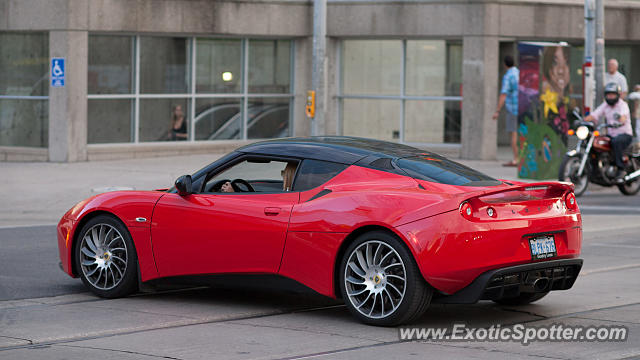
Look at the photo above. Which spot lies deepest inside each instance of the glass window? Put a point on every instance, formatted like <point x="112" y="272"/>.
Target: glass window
<point x="163" y="119"/>
<point x="24" y="123"/>
<point x="372" y="67"/>
<point x="218" y="119"/>
<point x="110" y="65"/>
<point x="432" y="121"/>
<point x="268" y="118"/>
<point x="575" y="60"/>
<point x="435" y="168"/>
<point x="453" y="84"/>
<point x="426" y="72"/>
<point x="269" y="66"/>
<point x="313" y="173"/>
<point x="163" y="65"/>
<point x="219" y="94"/>
<point x="372" y="118"/>
<point x="372" y="74"/>
<point x="24" y="64"/>
<point x="219" y="66"/>
<point x="262" y="175"/>
<point x="110" y="121"/>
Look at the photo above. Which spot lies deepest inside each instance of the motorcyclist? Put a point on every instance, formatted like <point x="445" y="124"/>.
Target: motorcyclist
<point x="615" y="112"/>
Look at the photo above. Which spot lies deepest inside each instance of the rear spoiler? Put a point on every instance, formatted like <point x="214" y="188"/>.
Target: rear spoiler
<point x="524" y="192"/>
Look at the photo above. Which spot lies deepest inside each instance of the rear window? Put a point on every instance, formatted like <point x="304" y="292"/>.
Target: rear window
<point x="313" y="173"/>
<point x="441" y="170"/>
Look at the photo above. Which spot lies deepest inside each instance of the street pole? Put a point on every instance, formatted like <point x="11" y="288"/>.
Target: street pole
<point x="318" y="64"/>
<point x="589" y="84"/>
<point x="599" y="51"/>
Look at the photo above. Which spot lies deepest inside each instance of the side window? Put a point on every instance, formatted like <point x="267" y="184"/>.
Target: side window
<point x="250" y="175"/>
<point x="313" y="173"/>
<point x="441" y="170"/>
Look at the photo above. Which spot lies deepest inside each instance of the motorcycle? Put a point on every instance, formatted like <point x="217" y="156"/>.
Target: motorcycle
<point x="593" y="161"/>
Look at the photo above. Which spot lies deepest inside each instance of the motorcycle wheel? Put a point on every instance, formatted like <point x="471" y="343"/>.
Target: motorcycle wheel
<point x="568" y="169"/>
<point x="630" y="188"/>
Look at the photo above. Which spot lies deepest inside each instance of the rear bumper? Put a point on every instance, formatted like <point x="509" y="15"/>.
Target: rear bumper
<point x="452" y="252"/>
<point x="511" y="281"/>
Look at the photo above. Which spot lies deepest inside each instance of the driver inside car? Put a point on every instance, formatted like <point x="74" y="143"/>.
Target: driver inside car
<point x="287" y="176"/>
<point x="226" y="187"/>
<point x="287" y="179"/>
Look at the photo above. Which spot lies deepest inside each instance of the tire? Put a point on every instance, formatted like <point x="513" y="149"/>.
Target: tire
<point x="106" y="258"/>
<point x="380" y="281"/>
<point x="630" y="188"/>
<point x="522" y="299"/>
<point x="568" y="168"/>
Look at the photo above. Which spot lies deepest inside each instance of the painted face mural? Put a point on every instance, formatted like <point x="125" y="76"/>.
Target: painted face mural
<point x="544" y="103"/>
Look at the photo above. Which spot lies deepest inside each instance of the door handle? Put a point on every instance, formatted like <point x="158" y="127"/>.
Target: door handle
<point x="271" y="211"/>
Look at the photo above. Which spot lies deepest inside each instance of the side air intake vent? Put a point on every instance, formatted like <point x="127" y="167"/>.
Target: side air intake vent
<point x="382" y="163"/>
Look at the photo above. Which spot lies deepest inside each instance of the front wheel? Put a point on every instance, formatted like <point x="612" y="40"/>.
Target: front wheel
<point x="380" y="281"/>
<point x="569" y="172"/>
<point x="106" y="258"/>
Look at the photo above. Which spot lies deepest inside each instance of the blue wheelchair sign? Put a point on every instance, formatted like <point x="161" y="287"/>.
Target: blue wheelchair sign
<point x="57" y="72"/>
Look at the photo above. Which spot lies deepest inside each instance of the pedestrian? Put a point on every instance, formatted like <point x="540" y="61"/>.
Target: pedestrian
<point x="614" y="76"/>
<point x="509" y="99"/>
<point x="635" y="114"/>
<point x="178" y="127"/>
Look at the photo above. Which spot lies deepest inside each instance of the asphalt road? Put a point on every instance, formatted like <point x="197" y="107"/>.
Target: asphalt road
<point x="45" y="314"/>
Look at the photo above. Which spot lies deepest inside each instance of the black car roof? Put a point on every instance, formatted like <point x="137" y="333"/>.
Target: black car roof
<point x="341" y="149"/>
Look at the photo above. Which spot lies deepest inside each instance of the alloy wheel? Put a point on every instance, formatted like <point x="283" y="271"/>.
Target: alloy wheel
<point x="103" y="256"/>
<point x="375" y="279"/>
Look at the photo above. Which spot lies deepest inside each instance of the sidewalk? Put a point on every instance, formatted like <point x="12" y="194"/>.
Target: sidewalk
<point x="40" y="193"/>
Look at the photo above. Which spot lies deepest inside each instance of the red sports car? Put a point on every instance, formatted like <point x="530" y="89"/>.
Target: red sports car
<point x="387" y="227"/>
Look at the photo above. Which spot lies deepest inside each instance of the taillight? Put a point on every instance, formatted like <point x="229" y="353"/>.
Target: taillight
<point x="492" y="212"/>
<point x="466" y="210"/>
<point x="570" y="201"/>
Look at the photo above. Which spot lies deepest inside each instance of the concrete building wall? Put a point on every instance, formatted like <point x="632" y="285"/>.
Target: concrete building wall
<point x="68" y="104"/>
<point x="302" y="79"/>
<point x="269" y="18"/>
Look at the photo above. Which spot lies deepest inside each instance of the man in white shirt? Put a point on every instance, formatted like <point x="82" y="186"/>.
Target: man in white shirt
<point x="635" y="98"/>
<point x="616" y="113"/>
<point x="613" y="76"/>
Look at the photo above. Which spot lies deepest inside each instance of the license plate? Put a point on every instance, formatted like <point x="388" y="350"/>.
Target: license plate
<point x="542" y="247"/>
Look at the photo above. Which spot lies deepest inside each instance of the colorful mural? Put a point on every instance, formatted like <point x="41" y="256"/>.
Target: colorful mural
<point x="543" y="105"/>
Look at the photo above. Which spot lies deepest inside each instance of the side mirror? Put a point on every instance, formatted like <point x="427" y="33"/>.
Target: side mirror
<point x="183" y="185"/>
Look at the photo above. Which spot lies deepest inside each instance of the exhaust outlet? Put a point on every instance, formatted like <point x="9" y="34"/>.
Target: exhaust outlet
<point x="540" y="284"/>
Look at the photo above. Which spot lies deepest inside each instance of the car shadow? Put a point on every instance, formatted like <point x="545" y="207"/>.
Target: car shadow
<point x="287" y="296"/>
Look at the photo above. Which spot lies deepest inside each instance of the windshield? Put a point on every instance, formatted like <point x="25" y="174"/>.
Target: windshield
<point x="438" y="169"/>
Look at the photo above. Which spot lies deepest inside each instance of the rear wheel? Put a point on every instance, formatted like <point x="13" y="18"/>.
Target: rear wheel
<point x="631" y="188"/>
<point x="380" y="281"/>
<point x="522" y="299"/>
<point x="106" y="258"/>
<point x="569" y="172"/>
